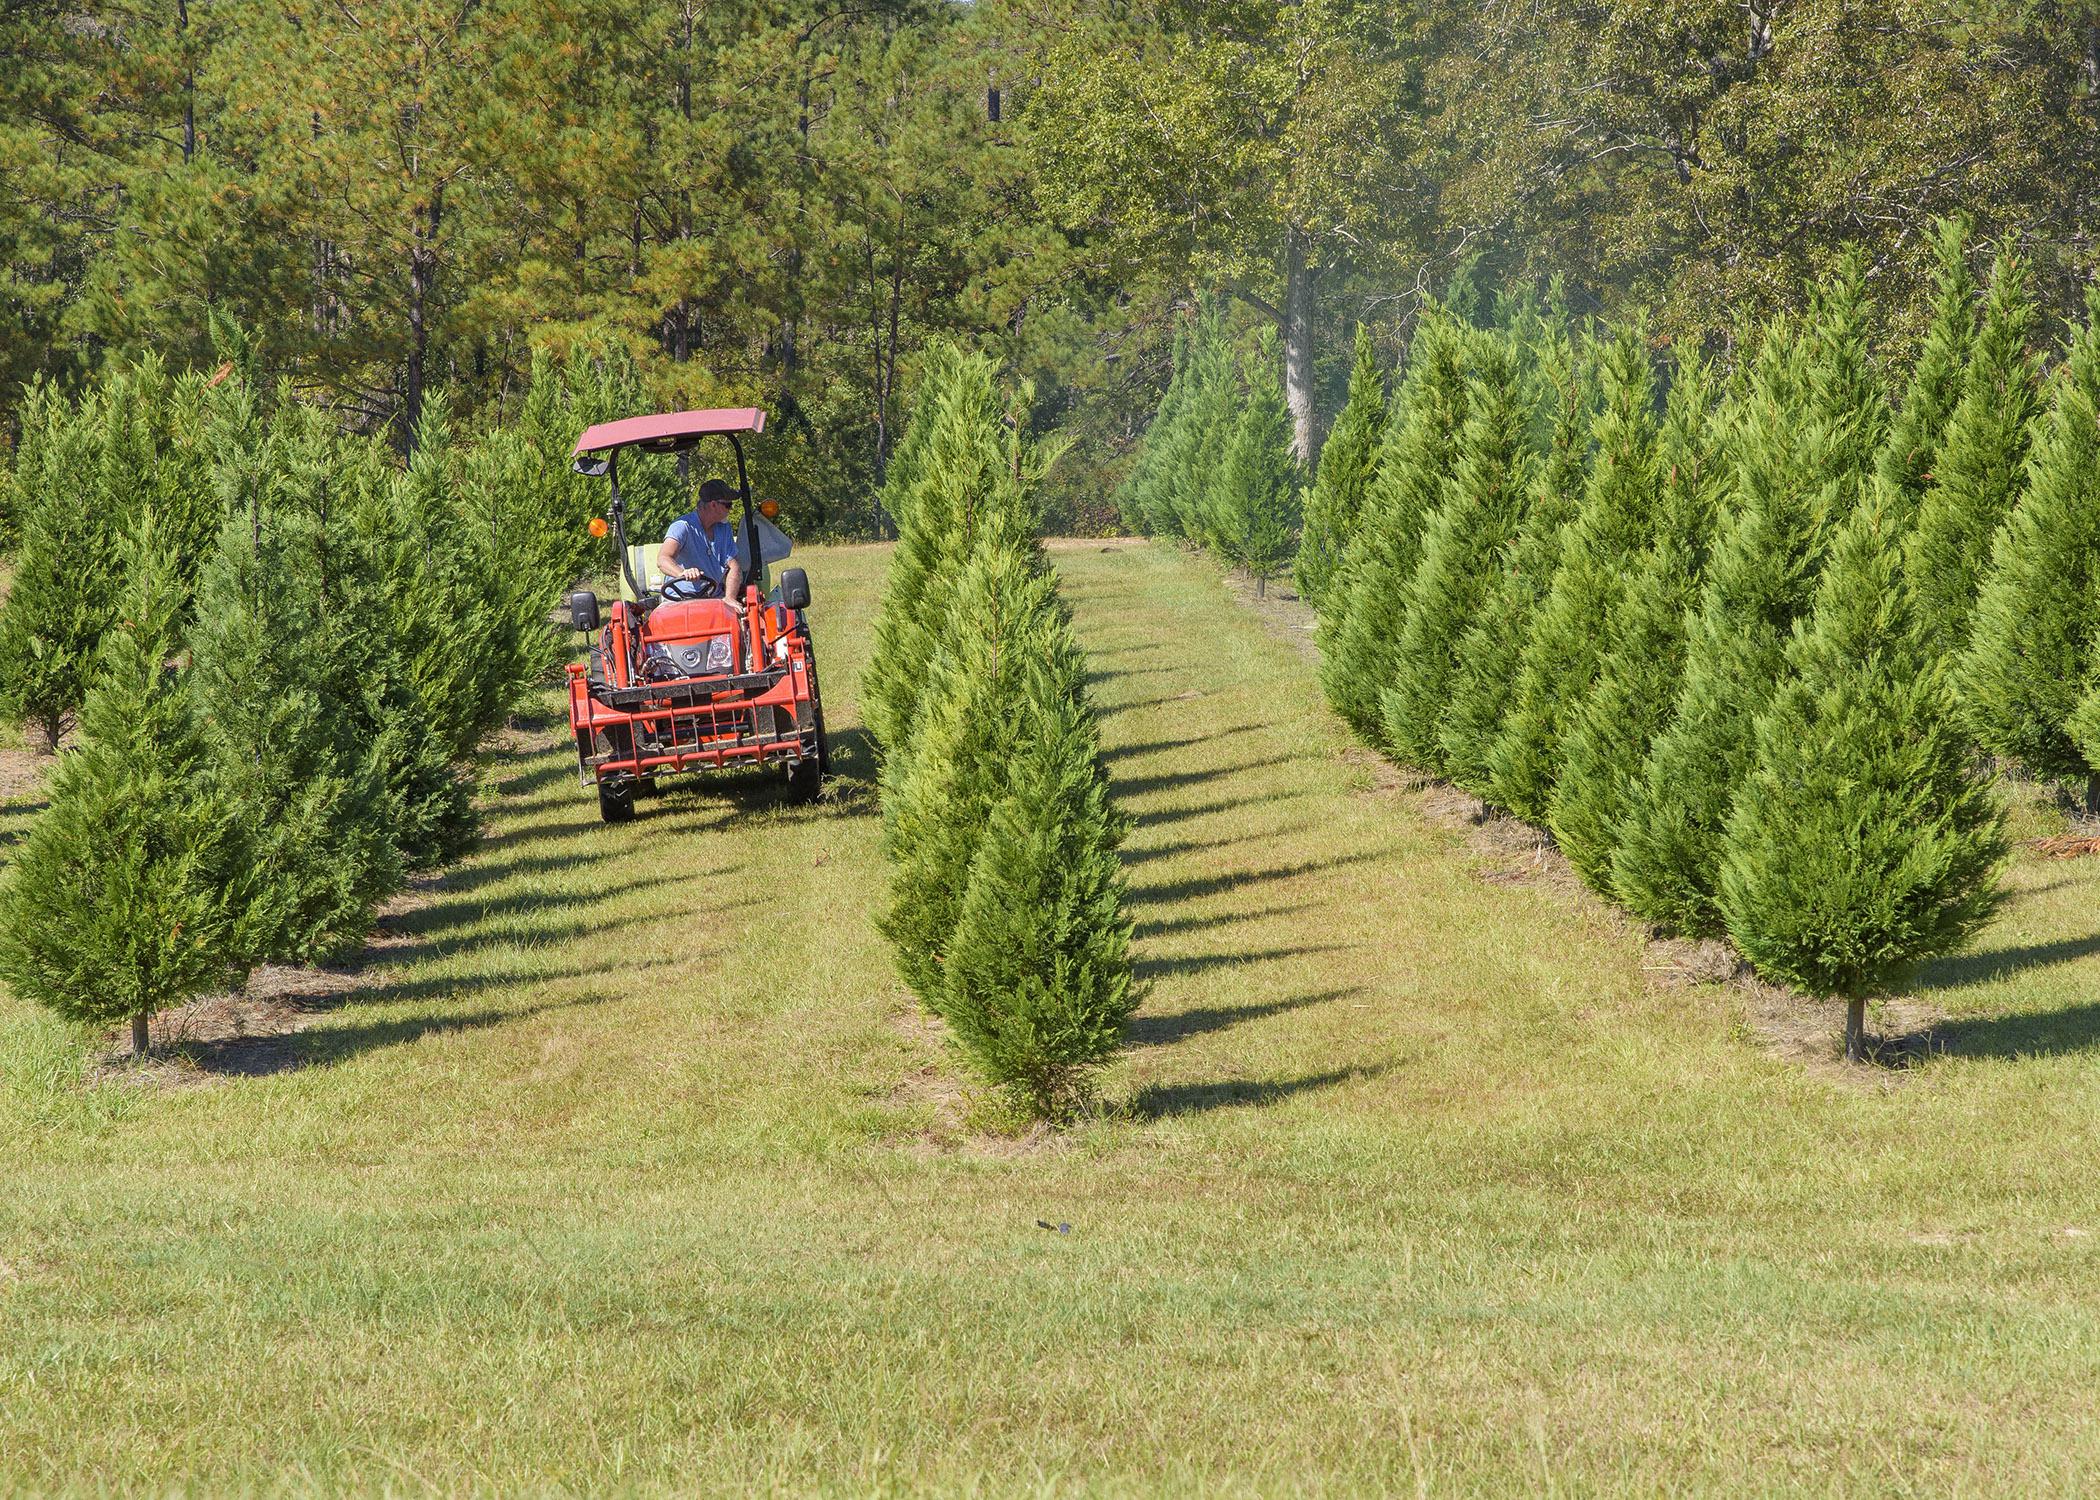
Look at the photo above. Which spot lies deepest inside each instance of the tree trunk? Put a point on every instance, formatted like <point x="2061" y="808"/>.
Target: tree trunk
<point x="1298" y="343"/>
<point x="138" y="1034"/>
<point x="189" y="83"/>
<point x="1856" y="1030"/>
<point x="2092" y="795"/>
<point x="422" y="267"/>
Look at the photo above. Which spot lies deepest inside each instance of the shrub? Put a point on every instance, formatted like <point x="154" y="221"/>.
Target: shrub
<point x="1334" y="505"/>
<point x="1613" y="525"/>
<point x="1359" y="637"/>
<point x="2034" y="643"/>
<point x="1483" y="506"/>
<point x="124" y="897"/>
<point x="1861" y="841"/>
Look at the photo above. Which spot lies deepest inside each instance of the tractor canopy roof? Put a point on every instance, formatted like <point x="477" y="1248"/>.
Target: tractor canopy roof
<point x="670" y="431"/>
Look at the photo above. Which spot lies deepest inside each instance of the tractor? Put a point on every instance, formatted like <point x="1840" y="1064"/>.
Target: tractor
<point x="670" y="687"/>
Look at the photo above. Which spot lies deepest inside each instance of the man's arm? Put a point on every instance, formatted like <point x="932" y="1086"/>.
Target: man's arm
<point x="667" y="560"/>
<point x="733" y="581"/>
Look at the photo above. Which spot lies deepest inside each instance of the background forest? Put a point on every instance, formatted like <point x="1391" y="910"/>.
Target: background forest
<point x="785" y="202"/>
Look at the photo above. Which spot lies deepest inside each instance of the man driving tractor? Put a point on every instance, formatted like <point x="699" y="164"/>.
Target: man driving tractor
<point x="698" y="558"/>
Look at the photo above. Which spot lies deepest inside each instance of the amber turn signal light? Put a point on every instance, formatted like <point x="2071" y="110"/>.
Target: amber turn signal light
<point x="598" y="526"/>
<point x="769" y="508"/>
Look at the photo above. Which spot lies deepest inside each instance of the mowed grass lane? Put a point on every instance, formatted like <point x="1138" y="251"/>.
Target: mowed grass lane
<point x="625" y="1171"/>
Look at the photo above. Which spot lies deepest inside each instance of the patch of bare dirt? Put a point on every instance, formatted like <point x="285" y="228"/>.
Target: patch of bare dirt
<point x="22" y="774"/>
<point x="1092" y="543"/>
<point x="960" y="1111"/>
<point x="1279" y="608"/>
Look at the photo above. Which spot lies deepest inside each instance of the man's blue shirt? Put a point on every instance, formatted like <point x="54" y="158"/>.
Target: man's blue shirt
<point x="702" y="548"/>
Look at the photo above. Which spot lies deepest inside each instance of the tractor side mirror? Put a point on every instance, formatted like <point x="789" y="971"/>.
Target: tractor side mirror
<point x="794" y="589"/>
<point x="593" y="465"/>
<point x="583" y="610"/>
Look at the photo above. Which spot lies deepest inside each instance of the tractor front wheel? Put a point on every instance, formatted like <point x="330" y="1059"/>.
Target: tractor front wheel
<point x="616" y="801"/>
<point x="805" y="781"/>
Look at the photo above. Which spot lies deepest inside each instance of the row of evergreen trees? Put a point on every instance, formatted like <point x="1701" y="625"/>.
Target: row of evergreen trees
<point x="1006" y="901"/>
<point x="1216" y="468"/>
<point x="1744" y="644"/>
<point x="282" y="649"/>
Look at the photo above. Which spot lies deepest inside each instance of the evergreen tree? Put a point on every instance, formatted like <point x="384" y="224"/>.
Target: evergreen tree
<point x="1861" y="842"/>
<point x="937" y="802"/>
<point x="1980" y="463"/>
<point x="2033" y="646"/>
<point x="306" y="793"/>
<point x="1334" y="506"/>
<point x="59" y="603"/>
<point x="1139" y="499"/>
<point x="1809" y="424"/>
<point x="1484" y="503"/>
<point x="1358" y="639"/>
<point x="125" y="896"/>
<point x="1491" y="649"/>
<point x="1911" y="453"/>
<point x="1037" y="980"/>
<point x="1255" y="507"/>
<point x="1613" y="526"/>
<point x="959" y="493"/>
<point x="1201" y="439"/>
<point x="1640" y="672"/>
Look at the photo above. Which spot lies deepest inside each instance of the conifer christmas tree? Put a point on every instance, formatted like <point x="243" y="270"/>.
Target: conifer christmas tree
<point x="1139" y="501"/>
<point x="1360" y="635"/>
<point x="305" y="789"/>
<point x="1491" y="649"/>
<point x="1334" y="505"/>
<point x="1909" y="456"/>
<point x="1980" y="463"/>
<point x="1569" y="633"/>
<point x="124" y="899"/>
<point x="1639" y="674"/>
<point x="1484" y="504"/>
<point x="1809" y="424"/>
<point x="1255" y="497"/>
<point x="1037" y="979"/>
<point x="2032" y="650"/>
<point x="1202" y="437"/>
<point x="1861" y="842"/>
<point x="937" y="802"/>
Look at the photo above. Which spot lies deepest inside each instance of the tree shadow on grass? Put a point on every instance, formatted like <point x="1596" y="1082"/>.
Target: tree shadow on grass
<point x="2052" y="1033"/>
<point x="1199" y="963"/>
<point x="1965" y="969"/>
<point x="1164" y="1031"/>
<point x="1161" y="893"/>
<point x="258" y="1056"/>
<point x="1138" y="786"/>
<point x="1199" y="922"/>
<point x="529" y="779"/>
<point x="1162" y="747"/>
<point x="1220" y="805"/>
<point x="1163" y="1101"/>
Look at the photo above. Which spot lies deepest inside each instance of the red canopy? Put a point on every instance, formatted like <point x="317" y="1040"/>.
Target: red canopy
<point x="671" y="429"/>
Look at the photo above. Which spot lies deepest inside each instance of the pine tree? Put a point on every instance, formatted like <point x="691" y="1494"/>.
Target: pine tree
<point x="1255" y="505"/>
<point x="1334" y="505"/>
<point x="1037" y="982"/>
<point x="1980" y="463"/>
<point x="1138" y="499"/>
<point x="2034" y="644"/>
<point x="1491" y="649"/>
<point x="1358" y="637"/>
<point x="1861" y="841"/>
<point x="1639" y="674"/>
<point x="1809" y="425"/>
<point x="124" y="898"/>
<point x="306" y="794"/>
<point x="1909" y="456"/>
<point x="1201" y="438"/>
<point x="1484" y="504"/>
<point x="938" y="800"/>
<point x="959" y="493"/>
<point x="1613" y="526"/>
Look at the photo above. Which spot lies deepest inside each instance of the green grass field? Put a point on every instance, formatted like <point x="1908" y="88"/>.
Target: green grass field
<point x="627" y="1166"/>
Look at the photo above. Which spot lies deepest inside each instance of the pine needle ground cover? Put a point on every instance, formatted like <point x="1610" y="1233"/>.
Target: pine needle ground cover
<point x="629" y="1169"/>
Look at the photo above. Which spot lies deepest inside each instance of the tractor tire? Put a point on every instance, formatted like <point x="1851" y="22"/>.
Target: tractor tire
<point x="616" y="802"/>
<point x="805" y="782"/>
